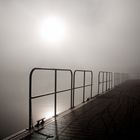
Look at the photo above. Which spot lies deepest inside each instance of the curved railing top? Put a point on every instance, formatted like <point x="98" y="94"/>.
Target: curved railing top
<point x="42" y="68"/>
<point x="105" y="72"/>
<point x="83" y="71"/>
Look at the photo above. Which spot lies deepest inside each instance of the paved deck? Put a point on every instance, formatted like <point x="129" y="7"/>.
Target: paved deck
<point x="113" y="115"/>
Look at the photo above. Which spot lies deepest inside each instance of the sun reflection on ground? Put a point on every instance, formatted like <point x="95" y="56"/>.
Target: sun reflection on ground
<point x="48" y="114"/>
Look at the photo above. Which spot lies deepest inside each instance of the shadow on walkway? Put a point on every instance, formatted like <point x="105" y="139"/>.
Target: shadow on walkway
<point x="114" y="115"/>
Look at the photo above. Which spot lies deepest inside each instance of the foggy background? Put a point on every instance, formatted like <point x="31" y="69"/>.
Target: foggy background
<point x="100" y="35"/>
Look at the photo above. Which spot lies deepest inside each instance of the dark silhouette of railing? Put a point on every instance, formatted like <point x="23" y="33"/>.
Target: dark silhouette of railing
<point x="71" y="89"/>
<point x="134" y="75"/>
<point x="124" y="77"/>
<point x="52" y="93"/>
<point x="84" y="83"/>
<point x="120" y="78"/>
<point x="105" y="81"/>
<point x="117" y="79"/>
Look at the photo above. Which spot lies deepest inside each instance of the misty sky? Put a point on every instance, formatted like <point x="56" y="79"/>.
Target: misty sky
<point x="100" y="35"/>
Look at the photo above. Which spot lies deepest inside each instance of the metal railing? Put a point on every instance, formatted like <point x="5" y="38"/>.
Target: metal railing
<point x="105" y="81"/>
<point x="56" y="91"/>
<point x="134" y="76"/>
<point x="52" y="93"/>
<point x="124" y="77"/>
<point x="117" y="79"/>
<point x="84" y="83"/>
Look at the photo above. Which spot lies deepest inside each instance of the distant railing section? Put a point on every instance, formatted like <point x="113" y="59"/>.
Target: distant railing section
<point x="117" y="79"/>
<point x="84" y="85"/>
<point x="120" y="78"/>
<point x="134" y="76"/>
<point x="124" y="77"/>
<point x="105" y="81"/>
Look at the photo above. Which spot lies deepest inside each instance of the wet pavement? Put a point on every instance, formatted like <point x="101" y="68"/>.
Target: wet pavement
<point x="113" y="115"/>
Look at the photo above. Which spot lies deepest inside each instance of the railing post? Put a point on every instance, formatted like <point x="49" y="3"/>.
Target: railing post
<point x="55" y="96"/>
<point x="91" y="82"/>
<point x="30" y="102"/>
<point x="99" y="83"/>
<point x="106" y="80"/>
<point x="71" y="90"/>
<point x="84" y="86"/>
<point x="30" y="98"/>
<point x="111" y="80"/>
<point x="103" y="83"/>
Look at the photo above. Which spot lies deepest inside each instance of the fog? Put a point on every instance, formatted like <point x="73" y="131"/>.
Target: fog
<point x="100" y="35"/>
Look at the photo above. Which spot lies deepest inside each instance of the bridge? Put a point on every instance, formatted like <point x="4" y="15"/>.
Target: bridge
<point x="111" y="113"/>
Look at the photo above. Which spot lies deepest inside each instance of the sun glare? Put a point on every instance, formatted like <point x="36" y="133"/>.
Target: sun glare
<point x="53" y="30"/>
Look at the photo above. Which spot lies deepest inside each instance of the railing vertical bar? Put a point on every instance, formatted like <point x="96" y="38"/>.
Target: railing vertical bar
<point x="99" y="82"/>
<point x="71" y="91"/>
<point x="84" y="78"/>
<point x="106" y="80"/>
<point x="30" y="99"/>
<point x="111" y="80"/>
<point x="55" y="95"/>
<point x="30" y="102"/>
<point x="91" y="82"/>
<point x="103" y="83"/>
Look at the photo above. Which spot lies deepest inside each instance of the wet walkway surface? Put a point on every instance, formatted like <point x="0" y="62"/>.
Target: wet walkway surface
<point x="113" y="115"/>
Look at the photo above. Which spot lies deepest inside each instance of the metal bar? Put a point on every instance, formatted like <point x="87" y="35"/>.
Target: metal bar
<point x="111" y="77"/>
<point x="30" y="101"/>
<point x="111" y="80"/>
<point x="84" y="78"/>
<point x="71" y="102"/>
<point x="47" y="94"/>
<point x="50" y="69"/>
<point x="55" y="95"/>
<point x="106" y="80"/>
<point x="99" y="82"/>
<point x="74" y="88"/>
<point x="91" y="82"/>
<point x="103" y="82"/>
<point x="82" y="86"/>
<point x="114" y="79"/>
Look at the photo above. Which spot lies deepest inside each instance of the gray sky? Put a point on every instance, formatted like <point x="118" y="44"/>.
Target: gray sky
<point x="100" y="35"/>
<point x="105" y="31"/>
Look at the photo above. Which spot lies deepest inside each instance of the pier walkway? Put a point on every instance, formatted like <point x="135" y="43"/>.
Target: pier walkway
<point x="113" y="115"/>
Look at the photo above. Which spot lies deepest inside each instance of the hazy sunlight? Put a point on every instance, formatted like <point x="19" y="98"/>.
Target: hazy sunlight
<point x="52" y="30"/>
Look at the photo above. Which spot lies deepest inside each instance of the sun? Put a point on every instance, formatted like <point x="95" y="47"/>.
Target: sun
<point x="52" y="29"/>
